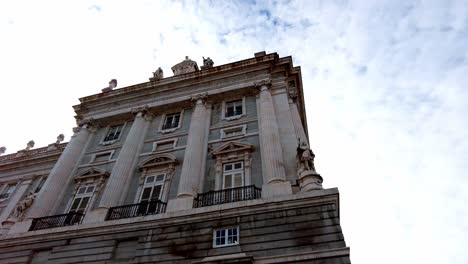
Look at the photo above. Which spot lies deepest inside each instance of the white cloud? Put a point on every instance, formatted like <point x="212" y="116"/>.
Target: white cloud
<point x="384" y="81"/>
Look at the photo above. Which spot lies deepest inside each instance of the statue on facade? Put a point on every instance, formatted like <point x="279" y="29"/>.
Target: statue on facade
<point x="112" y="85"/>
<point x="30" y="145"/>
<point x="53" y="146"/>
<point x="23" y="205"/>
<point x="207" y="63"/>
<point x="305" y="157"/>
<point x="2" y="150"/>
<point x="158" y="74"/>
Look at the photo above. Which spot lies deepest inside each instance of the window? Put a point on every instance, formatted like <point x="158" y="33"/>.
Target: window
<point x="164" y="145"/>
<point x="152" y="188"/>
<point x="233" y="175"/>
<point x="39" y="185"/>
<point x="8" y="190"/>
<point x="113" y="134"/>
<point x="102" y="157"/>
<point x="234" y="108"/>
<point x="226" y="237"/>
<point x="171" y="121"/>
<point x="233" y="131"/>
<point x="81" y="201"/>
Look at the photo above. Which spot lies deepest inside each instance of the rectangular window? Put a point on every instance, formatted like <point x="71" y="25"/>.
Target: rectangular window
<point x="233" y="175"/>
<point x="233" y="108"/>
<point x="152" y="188"/>
<point x="226" y="237"/>
<point x="113" y="133"/>
<point x="164" y="145"/>
<point x="9" y="190"/>
<point x="82" y="198"/>
<point x="101" y="157"/>
<point x="171" y="121"/>
<point x="39" y="186"/>
<point x="233" y="131"/>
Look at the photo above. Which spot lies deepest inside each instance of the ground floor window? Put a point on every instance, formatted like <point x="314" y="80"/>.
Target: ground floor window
<point x="226" y="237"/>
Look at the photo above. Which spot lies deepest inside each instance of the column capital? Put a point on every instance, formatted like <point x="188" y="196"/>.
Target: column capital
<point x="142" y="111"/>
<point x="89" y="123"/>
<point x="292" y="92"/>
<point x="263" y="84"/>
<point x="200" y="98"/>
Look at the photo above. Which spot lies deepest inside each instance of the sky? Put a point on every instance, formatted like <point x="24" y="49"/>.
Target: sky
<point x="384" y="83"/>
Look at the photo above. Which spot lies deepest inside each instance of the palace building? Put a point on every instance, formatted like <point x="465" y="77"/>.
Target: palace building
<point x="210" y="165"/>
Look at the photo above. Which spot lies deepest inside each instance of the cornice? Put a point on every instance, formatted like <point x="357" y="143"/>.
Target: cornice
<point x="31" y="155"/>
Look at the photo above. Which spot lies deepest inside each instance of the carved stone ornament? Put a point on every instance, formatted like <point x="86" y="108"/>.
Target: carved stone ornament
<point x="23" y="205"/>
<point x="263" y="84"/>
<point x="292" y="92"/>
<point x="54" y="146"/>
<point x="112" y="85"/>
<point x="30" y="145"/>
<point x="201" y="96"/>
<point x="185" y="66"/>
<point x="90" y="122"/>
<point x="158" y="161"/>
<point x="157" y="75"/>
<point x="2" y="150"/>
<point x="91" y="176"/>
<point x="207" y="63"/>
<point x="308" y="178"/>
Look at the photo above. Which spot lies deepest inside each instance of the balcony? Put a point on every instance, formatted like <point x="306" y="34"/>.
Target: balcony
<point x="134" y="210"/>
<point x="227" y="196"/>
<point x="4" y="195"/>
<point x="72" y="218"/>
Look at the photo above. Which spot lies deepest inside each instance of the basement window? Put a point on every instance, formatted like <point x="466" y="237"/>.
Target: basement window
<point x="226" y="237"/>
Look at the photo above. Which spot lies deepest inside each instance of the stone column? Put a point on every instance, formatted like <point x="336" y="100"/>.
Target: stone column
<point x="274" y="175"/>
<point x="14" y="199"/>
<point x="195" y="156"/>
<point x="308" y="179"/>
<point x="55" y="186"/>
<point x="118" y="182"/>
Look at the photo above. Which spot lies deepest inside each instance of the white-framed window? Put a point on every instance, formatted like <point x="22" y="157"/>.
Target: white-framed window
<point x="164" y="144"/>
<point x="82" y="199"/>
<point x="226" y="237"/>
<point x="102" y="157"/>
<point x="171" y="122"/>
<point x="113" y="134"/>
<point x="233" y="174"/>
<point x="8" y="191"/>
<point x="233" y="131"/>
<point x="152" y="188"/>
<point x="233" y="109"/>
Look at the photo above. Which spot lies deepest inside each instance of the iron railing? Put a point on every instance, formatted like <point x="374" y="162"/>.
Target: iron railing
<point x="72" y="218"/>
<point x="227" y="196"/>
<point x="4" y="195"/>
<point x="134" y="210"/>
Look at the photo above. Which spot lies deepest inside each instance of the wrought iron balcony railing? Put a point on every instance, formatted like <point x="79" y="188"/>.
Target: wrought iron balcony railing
<point x="72" y="218"/>
<point x="227" y="196"/>
<point x="4" y="195"/>
<point x="134" y="210"/>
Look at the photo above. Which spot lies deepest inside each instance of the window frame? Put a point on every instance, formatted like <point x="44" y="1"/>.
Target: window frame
<point x="172" y="129"/>
<point x="226" y="236"/>
<point x="224" y="109"/>
<point x="77" y="195"/>
<point x="155" y="144"/>
<point x="232" y="173"/>
<point x="152" y="185"/>
<point x="93" y="158"/>
<point x="242" y="128"/>
<point x="7" y="188"/>
<point x="108" y="129"/>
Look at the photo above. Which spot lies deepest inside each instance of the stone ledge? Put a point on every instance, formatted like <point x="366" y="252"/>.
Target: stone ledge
<point x="317" y="197"/>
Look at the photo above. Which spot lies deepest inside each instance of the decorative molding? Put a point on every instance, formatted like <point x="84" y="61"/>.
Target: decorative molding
<point x="201" y="96"/>
<point x="263" y="84"/>
<point x="158" y="160"/>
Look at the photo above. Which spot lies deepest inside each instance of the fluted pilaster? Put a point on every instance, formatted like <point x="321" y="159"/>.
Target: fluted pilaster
<point x="117" y="185"/>
<point x="194" y="157"/>
<point x="55" y="185"/>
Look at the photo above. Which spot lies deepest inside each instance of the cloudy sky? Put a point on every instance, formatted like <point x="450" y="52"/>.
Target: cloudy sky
<point x="384" y="83"/>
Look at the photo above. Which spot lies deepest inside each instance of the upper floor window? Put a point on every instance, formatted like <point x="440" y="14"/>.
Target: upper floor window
<point x="40" y="184"/>
<point x="226" y="237"/>
<point x="113" y="134"/>
<point x="102" y="157"/>
<point x="82" y="199"/>
<point x="8" y="190"/>
<point x="233" y="131"/>
<point x="164" y="144"/>
<point x="233" y="175"/>
<point x="233" y="109"/>
<point x="171" y="122"/>
<point x="152" y="188"/>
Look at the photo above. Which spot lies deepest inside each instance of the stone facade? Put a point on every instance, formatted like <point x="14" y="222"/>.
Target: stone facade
<point x="206" y="166"/>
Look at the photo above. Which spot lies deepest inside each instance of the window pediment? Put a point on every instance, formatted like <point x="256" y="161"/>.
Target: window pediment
<point x="91" y="173"/>
<point x="158" y="160"/>
<point x="232" y="147"/>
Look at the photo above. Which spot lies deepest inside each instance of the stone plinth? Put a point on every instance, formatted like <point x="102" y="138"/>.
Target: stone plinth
<point x="310" y="180"/>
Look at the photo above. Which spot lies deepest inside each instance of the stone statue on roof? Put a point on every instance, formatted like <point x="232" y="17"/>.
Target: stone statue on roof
<point x="207" y="63"/>
<point x="112" y="85"/>
<point x="158" y="74"/>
